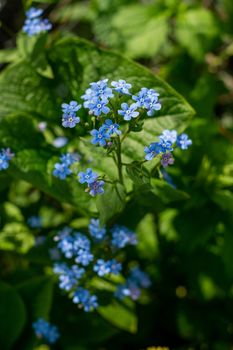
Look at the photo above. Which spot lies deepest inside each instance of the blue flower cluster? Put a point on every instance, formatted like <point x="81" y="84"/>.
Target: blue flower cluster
<point x="104" y="133"/>
<point x="96" y="231"/>
<point x="134" y="284"/>
<point x="62" y="169"/>
<point x="77" y="247"/>
<point x="84" y="299"/>
<point x="121" y="86"/>
<point x="148" y="99"/>
<point x="35" y="24"/>
<point x="69" y="117"/>
<point x="46" y="331"/>
<point x="94" y="186"/>
<point x="167" y="141"/>
<point x="122" y="236"/>
<point x="5" y="156"/>
<point x="97" y="97"/>
<point x="68" y="276"/>
<point x="103" y="267"/>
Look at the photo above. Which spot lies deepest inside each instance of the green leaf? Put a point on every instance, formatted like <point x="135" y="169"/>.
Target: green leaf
<point x="224" y="198"/>
<point x="199" y="27"/>
<point x="147" y="240"/>
<point x="12" y="133"/>
<point x="120" y="315"/>
<point x="138" y="42"/>
<point x="8" y="55"/>
<point x="17" y="237"/>
<point x="112" y="202"/>
<point x="12" y="316"/>
<point x="37" y="294"/>
<point x="138" y="174"/>
<point x="166" y="192"/>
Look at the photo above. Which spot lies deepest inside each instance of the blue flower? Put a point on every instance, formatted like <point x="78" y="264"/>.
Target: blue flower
<point x="87" y="177"/>
<point x="167" y="159"/>
<point x="128" y="289"/>
<point x="121" y="86"/>
<point x="97" y="107"/>
<point x="68" y="276"/>
<point x="45" y="330"/>
<point x="169" y="135"/>
<point x="81" y="241"/>
<point x="97" y="97"/>
<point x="70" y="108"/>
<point x="84" y="257"/>
<point x="100" y="136"/>
<point x="183" y="141"/>
<point x="148" y="99"/>
<point x="70" y="158"/>
<point x="115" y="267"/>
<point x="132" y="288"/>
<point x="70" y="120"/>
<point x="66" y="245"/>
<point x="60" y="141"/>
<point x="61" y="171"/>
<point x="122" y="291"/>
<point x="4" y="163"/>
<point x="153" y="150"/>
<point x="35" y="221"/>
<point x="128" y="112"/>
<point x="141" y="98"/>
<point x="152" y="105"/>
<point x="66" y="231"/>
<point x="111" y="128"/>
<point x="95" y="230"/>
<point x="101" y="90"/>
<point x="34" y="12"/>
<point x="5" y="156"/>
<point x="83" y="298"/>
<point x="96" y="187"/>
<point x="165" y="145"/>
<point x="139" y="277"/>
<point x="122" y="236"/>
<point x="101" y="268"/>
<point x="35" y="26"/>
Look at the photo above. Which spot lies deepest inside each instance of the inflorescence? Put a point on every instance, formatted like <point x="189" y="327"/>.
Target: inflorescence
<point x="168" y="140"/>
<point x="86" y="260"/>
<point x="102" y="101"/>
<point x="5" y="156"/>
<point x="46" y="331"/>
<point x="34" y="23"/>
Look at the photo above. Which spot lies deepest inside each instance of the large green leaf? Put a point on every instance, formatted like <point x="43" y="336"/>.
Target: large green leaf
<point x="75" y="63"/>
<point x="12" y="316"/>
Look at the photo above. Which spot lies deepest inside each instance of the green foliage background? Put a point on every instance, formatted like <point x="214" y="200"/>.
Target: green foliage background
<point x="185" y="234"/>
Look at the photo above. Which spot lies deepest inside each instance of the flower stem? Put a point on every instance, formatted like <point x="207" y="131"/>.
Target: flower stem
<point x="119" y="160"/>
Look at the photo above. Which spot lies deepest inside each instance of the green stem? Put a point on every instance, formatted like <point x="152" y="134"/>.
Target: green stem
<point x="119" y="160"/>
